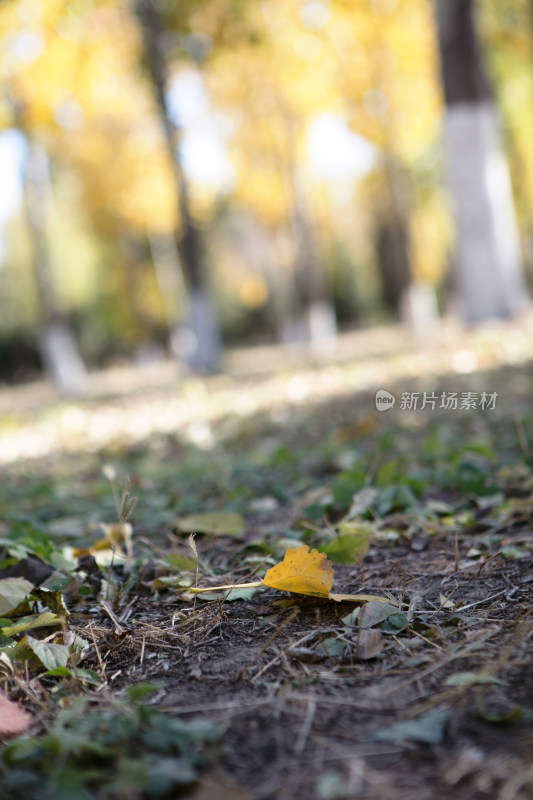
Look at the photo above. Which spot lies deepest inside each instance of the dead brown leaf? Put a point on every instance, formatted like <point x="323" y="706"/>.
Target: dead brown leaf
<point x="13" y="720"/>
<point x="370" y="644"/>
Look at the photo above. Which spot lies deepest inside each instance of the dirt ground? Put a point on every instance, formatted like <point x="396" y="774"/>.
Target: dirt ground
<point x="298" y="724"/>
<point x="313" y="705"/>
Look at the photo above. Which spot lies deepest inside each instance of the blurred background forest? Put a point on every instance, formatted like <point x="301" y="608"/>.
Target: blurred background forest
<point x="177" y="178"/>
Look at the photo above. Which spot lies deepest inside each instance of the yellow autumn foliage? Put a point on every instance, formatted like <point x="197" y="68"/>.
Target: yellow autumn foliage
<point x="303" y="572"/>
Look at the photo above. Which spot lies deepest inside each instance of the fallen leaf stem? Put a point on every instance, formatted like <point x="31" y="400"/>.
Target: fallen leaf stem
<point x="251" y="585"/>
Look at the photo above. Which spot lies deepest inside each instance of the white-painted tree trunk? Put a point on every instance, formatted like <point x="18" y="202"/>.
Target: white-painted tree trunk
<point x="419" y="309"/>
<point x="488" y="251"/>
<point x="315" y="326"/>
<point x="198" y="343"/>
<point x="61" y="358"/>
<point x="56" y="341"/>
<point x="322" y="328"/>
<point x="200" y="340"/>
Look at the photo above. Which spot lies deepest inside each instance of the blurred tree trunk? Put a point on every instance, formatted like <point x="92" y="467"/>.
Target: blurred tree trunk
<point x="321" y="323"/>
<point x="57" y="344"/>
<point x="140" y="329"/>
<point x="393" y="246"/>
<point x="315" y="306"/>
<point x="201" y="346"/>
<point x="170" y="281"/>
<point x="489" y="261"/>
<point x="412" y="301"/>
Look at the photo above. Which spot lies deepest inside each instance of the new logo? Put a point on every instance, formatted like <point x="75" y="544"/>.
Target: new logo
<point x="384" y="400"/>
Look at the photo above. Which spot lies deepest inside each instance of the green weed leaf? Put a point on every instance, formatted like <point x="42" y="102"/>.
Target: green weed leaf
<point x="13" y="592"/>
<point x="218" y="523"/>
<point x="50" y="655"/>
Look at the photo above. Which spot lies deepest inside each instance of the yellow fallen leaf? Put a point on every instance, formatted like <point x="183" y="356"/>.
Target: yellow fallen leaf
<point x="302" y="571"/>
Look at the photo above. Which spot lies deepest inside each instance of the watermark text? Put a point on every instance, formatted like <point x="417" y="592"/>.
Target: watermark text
<point x="448" y="401"/>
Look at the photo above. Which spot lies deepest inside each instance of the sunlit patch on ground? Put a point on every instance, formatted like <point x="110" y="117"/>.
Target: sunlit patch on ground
<point x="126" y="405"/>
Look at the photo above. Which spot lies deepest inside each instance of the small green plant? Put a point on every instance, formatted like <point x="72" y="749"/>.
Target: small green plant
<point x="123" y="531"/>
<point x="129" y="750"/>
